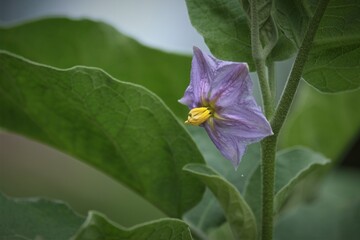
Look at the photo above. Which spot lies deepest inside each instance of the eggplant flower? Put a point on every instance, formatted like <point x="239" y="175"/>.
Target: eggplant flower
<point x="220" y="100"/>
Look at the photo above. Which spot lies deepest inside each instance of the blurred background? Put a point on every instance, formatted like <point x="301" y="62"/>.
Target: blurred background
<point x="28" y="168"/>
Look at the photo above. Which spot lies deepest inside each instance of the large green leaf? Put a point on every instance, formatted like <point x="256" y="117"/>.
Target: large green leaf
<point x="98" y="227"/>
<point x="224" y="24"/>
<point x="65" y="43"/>
<point x="333" y="215"/>
<point x="291" y="166"/>
<point x="34" y="218"/>
<point x="293" y="17"/>
<point x="237" y="212"/>
<point x="208" y="213"/>
<point x="120" y="128"/>
<point x="333" y="63"/>
<point x="325" y="123"/>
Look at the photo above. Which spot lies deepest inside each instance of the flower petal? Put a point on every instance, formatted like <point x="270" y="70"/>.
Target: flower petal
<point x="232" y="84"/>
<point x="236" y="129"/>
<point x="229" y="146"/>
<point x="245" y="121"/>
<point x="202" y="70"/>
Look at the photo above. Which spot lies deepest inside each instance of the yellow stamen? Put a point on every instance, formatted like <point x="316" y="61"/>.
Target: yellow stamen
<point x="198" y="115"/>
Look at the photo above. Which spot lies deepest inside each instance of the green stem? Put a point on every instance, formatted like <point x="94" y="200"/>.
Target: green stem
<point x="297" y="69"/>
<point x="268" y="145"/>
<point x="268" y="150"/>
<point x="259" y="60"/>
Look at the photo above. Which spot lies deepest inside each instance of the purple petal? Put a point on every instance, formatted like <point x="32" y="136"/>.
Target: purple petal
<point x="232" y="84"/>
<point x="245" y="121"/>
<point x="202" y="71"/>
<point x="229" y="146"/>
<point x="233" y="135"/>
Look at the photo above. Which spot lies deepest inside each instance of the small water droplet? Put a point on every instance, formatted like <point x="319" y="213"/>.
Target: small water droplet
<point x="242" y="175"/>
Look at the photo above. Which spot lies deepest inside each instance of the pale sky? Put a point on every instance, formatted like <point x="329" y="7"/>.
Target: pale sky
<point x="161" y="24"/>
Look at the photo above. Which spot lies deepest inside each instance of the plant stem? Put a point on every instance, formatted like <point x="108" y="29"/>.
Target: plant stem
<point x="268" y="151"/>
<point x="297" y="69"/>
<point x="268" y="145"/>
<point x="259" y="60"/>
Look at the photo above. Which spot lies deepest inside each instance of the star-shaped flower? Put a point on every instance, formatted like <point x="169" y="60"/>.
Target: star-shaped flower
<point x="220" y="100"/>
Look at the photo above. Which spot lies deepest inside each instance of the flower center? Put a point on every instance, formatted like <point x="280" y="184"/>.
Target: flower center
<point x="199" y="115"/>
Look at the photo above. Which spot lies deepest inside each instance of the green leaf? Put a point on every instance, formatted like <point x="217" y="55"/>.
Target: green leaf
<point x="225" y="28"/>
<point x="291" y="166"/>
<point x="332" y="64"/>
<point x="208" y="213"/>
<point x="325" y="123"/>
<point x="53" y="42"/>
<point x="35" y="218"/>
<point x="120" y="128"/>
<point x="98" y="227"/>
<point x="293" y="17"/>
<point x="334" y="68"/>
<point x="334" y="215"/>
<point x="237" y="212"/>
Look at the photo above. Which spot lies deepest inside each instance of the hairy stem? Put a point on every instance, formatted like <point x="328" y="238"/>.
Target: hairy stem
<point x="297" y="69"/>
<point x="259" y="60"/>
<point x="268" y="150"/>
<point x="268" y="145"/>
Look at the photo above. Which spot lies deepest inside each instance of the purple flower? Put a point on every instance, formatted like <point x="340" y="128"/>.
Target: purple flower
<point x="220" y="100"/>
